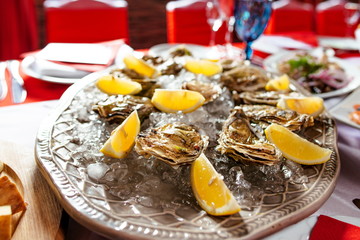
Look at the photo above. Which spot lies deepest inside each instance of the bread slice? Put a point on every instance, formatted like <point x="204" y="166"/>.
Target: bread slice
<point x="5" y="222"/>
<point x="10" y="195"/>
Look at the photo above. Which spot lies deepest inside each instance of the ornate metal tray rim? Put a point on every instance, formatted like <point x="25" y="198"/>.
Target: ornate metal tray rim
<point x="108" y="225"/>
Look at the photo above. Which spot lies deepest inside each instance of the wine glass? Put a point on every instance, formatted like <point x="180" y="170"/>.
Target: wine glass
<point x="214" y="18"/>
<point x="227" y="8"/>
<point x="251" y="18"/>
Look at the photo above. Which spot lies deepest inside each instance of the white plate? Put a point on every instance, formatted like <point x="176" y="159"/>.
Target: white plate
<point x="198" y="51"/>
<point x="342" y="110"/>
<point x="302" y="229"/>
<point x="271" y="62"/>
<point x="31" y="68"/>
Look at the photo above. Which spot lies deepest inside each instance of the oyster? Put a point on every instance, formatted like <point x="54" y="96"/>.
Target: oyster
<point x="261" y="97"/>
<point x="127" y="73"/>
<point x="228" y="64"/>
<point x="170" y="67"/>
<point x="265" y="114"/>
<point x="153" y="60"/>
<point x="245" y="78"/>
<point x="118" y="107"/>
<point x="242" y="136"/>
<point x="241" y="140"/>
<point x="210" y="91"/>
<point x="174" y="143"/>
<point x="179" y="51"/>
<point x="258" y="97"/>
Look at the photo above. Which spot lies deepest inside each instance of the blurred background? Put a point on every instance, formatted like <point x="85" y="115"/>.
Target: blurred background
<point x="23" y="23"/>
<point x="147" y="21"/>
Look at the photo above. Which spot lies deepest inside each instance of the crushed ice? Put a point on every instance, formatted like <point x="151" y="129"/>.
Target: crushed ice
<point x="153" y="183"/>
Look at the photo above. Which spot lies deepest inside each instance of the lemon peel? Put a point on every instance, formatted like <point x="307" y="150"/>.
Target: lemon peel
<point x="172" y="101"/>
<point x="278" y="83"/>
<point x="122" y="138"/>
<point x="210" y="190"/>
<point x="203" y="66"/>
<point x="112" y="85"/>
<point x="305" y="105"/>
<point x="296" y="148"/>
<point x="140" y="66"/>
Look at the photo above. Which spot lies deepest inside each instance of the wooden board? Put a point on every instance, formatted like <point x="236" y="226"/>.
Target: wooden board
<point x="41" y="220"/>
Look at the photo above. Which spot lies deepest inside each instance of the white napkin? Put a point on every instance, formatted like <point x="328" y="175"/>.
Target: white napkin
<point x="89" y="53"/>
<point x="48" y="68"/>
<point x="274" y="44"/>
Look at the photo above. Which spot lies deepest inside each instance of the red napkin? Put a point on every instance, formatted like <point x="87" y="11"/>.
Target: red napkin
<point x="327" y="228"/>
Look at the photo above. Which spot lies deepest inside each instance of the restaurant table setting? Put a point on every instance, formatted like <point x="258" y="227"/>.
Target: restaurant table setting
<point x="48" y="74"/>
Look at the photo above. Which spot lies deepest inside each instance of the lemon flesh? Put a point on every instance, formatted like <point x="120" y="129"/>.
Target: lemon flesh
<point x="278" y="84"/>
<point x="172" y="101"/>
<point x="122" y="139"/>
<point x="210" y="190"/>
<point x="113" y="85"/>
<point x="296" y="148"/>
<point x="306" y="105"/>
<point x="203" y="66"/>
<point x="139" y="66"/>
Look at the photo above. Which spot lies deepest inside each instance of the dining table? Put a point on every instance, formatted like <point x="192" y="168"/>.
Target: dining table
<point x="19" y="124"/>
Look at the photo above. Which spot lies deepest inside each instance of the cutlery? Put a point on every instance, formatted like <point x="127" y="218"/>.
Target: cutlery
<point x="3" y="84"/>
<point x="18" y="91"/>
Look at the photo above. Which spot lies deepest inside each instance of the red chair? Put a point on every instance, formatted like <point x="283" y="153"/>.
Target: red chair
<point x="291" y="16"/>
<point x="18" y="28"/>
<point x="86" y="21"/>
<point x="332" y="17"/>
<point x="187" y="23"/>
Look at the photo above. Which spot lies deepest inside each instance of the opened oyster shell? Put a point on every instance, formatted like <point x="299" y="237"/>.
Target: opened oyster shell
<point x="179" y="51"/>
<point x="241" y="140"/>
<point x="174" y="143"/>
<point x="264" y="115"/>
<point x="245" y="78"/>
<point x="261" y="97"/>
<point x="242" y="136"/>
<point x="118" y="107"/>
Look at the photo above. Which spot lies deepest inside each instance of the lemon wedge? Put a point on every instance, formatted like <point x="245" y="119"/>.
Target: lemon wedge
<point x="140" y="66"/>
<point x="203" y="66"/>
<point x="113" y="85"/>
<point x="278" y="83"/>
<point x="296" y="148"/>
<point x="172" y="101"/>
<point x="305" y="105"/>
<point x="122" y="139"/>
<point x="210" y="190"/>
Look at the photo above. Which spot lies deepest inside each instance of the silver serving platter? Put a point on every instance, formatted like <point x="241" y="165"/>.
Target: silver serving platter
<point x="88" y="201"/>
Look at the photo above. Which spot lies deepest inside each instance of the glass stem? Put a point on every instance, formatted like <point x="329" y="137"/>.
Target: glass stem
<point x="228" y="36"/>
<point x="248" y="50"/>
<point x="212" y="38"/>
<point x="229" y="29"/>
